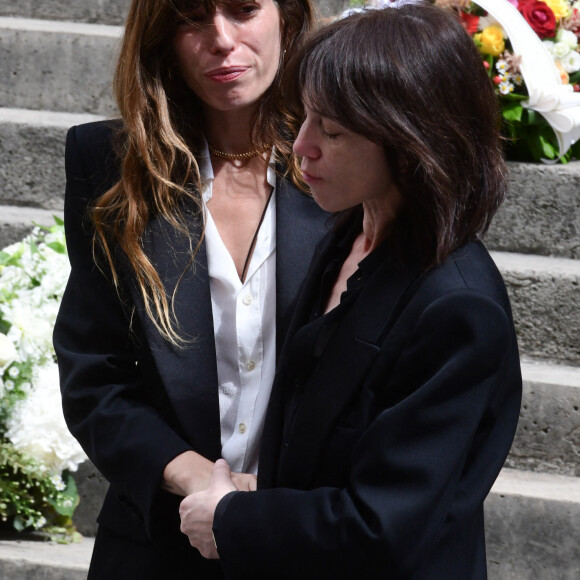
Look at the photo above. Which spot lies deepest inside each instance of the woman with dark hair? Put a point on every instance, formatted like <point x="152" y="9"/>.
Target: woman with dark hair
<point x="188" y="240"/>
<point x="399" y="386"/>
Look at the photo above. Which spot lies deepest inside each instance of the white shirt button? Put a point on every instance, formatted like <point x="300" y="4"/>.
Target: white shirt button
<point x="247" y="299"/>
<point x="250" y="365"/>
<point x="242" y="428"/>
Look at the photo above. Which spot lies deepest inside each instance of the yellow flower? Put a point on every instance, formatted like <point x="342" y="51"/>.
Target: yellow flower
<point x="490" y="40"/>
<point x="560" y="8"/>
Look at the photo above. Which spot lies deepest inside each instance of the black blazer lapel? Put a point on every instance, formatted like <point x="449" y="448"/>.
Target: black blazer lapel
<point x="348" y="357"/>
<point x="274" y="424"/>
<point x="189" y="373"/>
<point x="300" y="224"/>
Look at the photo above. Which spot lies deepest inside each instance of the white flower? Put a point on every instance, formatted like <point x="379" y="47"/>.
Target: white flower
<point x="571" y="62"/>
<point x="9" y="385"/>
<point x="13" y="372"/>
<point x="40" y="522"/>
<point x="560" y="49"/>
<point x="8" y="352"/>
<point x="501" y="66"/>
<point x="567" y="37"/>
<point x="549" y="44"/>
<point x="58" y="482"/>
<point x="44" y="435"/>
<point x="518" y="79"/>
<point x="505" y="87"/>
<point x="31" y="331"/>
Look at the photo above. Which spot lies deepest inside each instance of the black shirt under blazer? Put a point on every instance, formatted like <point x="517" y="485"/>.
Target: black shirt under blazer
<point x="385" y="451"/>
<point x="132" y="400"/>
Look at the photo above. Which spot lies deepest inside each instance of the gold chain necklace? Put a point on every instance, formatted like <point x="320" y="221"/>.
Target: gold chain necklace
<point x="237" y="156"/>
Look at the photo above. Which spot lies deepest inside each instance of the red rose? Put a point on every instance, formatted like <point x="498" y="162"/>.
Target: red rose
<point x="539" y="16"/>
<point x="470" y="22"/>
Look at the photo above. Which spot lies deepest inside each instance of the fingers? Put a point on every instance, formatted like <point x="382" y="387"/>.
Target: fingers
<point x="221" y="477"/>
<point x="245" y="481"/>
<point x="222" y="469"/>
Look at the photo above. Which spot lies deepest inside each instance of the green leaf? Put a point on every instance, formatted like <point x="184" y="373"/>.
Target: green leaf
<point x="66" y="501"/>
<point x="19" y="524"/>
<point x="512" y="111"/>
<point x="57" y="247"/>
<point x="550" y="152"/>
<point x="513" y="97"/>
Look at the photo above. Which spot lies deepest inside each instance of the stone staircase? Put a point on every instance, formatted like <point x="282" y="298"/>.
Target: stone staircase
<point x="56" y="59"/>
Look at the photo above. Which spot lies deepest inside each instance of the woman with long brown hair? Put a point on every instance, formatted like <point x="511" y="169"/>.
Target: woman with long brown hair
<point x="188" y="239"/>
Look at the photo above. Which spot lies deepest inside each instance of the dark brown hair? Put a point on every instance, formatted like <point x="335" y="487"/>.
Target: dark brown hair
<point x="161" y="134"/>
<point x="411" y="80"/>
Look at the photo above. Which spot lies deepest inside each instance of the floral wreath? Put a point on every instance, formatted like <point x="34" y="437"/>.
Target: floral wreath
<point x="530" y="49"/>
<point x="37" y="452"/>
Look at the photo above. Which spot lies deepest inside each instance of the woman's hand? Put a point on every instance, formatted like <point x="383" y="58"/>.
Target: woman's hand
<point x="197" y="510"/>
<point x="187" y="473"/>
<point x="245" y="481"/>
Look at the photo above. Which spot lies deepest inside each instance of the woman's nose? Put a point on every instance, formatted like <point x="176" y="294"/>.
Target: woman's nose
<point x="305" y="145"/>
<point x="222" y="40"/>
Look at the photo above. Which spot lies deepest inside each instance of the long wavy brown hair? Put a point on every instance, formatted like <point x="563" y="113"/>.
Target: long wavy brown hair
<point x="161" y="134"/>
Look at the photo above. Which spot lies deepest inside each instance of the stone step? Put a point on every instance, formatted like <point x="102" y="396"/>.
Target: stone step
<point x="545" y="294"/>
<point x="58" y="66"/>
<point x="541" y="214"/>
<point x="107" y="11"/>
<point x="547" y="438"/>
<point x="548" y="434"/>
<point x="533" y="527"/>
<point x="32" y="153"/>
<point x="29" y="559"/>
<point x="32" y="145"/>
<point x="17" y="222"/>
<point x="100" y="11"/>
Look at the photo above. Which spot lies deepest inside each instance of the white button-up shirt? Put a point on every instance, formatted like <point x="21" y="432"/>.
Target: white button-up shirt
<point x="244" y="318"/>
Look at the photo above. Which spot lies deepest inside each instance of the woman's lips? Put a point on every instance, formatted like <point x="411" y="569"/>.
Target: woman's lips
<point x="309" y="178"/>
<point x="226" y="74"/>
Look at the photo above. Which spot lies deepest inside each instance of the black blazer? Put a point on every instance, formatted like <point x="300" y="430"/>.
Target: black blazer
<point x="385" y="451"/>
<point x="131" y="399"/>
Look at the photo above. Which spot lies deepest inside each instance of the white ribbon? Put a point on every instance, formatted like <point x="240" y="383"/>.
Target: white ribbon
<point x="557" y="103"/>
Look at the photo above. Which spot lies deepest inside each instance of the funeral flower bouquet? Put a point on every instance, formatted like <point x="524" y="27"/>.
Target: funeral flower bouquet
<point x="557" y="24"/>
<point x="540" y="122"/>
<point x="37" y="453"/>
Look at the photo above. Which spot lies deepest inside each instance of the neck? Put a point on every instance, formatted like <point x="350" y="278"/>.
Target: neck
<point x="377" y="221"/>
<point x="230" y="131"/>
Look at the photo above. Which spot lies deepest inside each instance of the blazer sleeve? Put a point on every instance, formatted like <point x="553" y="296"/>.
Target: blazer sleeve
<point x="436" y="448"/>
<point x="105" y="403"/>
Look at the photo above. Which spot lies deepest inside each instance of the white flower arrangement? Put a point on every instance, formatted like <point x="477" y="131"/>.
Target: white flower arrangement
<point x="37" y="452"/>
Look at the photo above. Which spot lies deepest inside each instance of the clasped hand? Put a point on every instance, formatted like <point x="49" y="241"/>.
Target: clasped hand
<point x="197" y="509"/>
